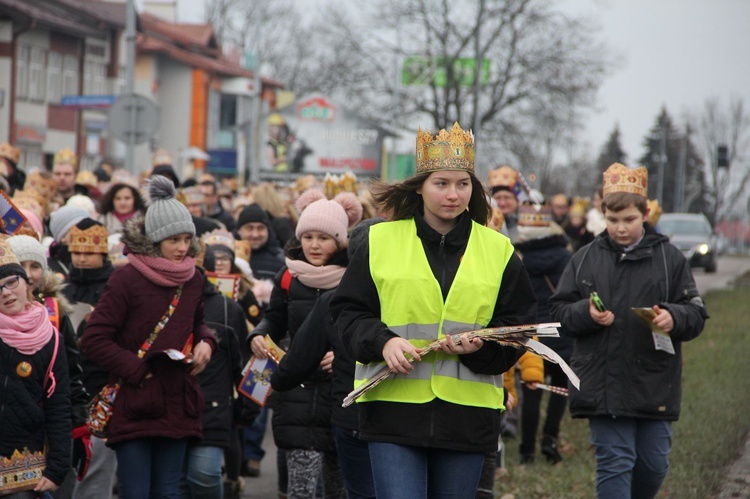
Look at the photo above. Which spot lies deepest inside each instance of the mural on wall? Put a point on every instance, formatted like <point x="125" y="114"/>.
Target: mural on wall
<point x="316" y="135"/>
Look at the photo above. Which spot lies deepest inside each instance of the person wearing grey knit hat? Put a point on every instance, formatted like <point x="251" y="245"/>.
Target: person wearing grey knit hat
<point x="166" y="216"/>
<point x="62" y="219"/>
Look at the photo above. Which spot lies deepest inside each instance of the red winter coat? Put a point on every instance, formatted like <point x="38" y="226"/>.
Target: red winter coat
<point x="170" y="403"/>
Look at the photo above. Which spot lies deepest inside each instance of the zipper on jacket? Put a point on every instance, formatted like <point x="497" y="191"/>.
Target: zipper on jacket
<point x="441" y="255"/>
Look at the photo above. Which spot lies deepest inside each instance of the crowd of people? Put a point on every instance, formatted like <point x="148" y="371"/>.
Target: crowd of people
<point x="168" y="286"/>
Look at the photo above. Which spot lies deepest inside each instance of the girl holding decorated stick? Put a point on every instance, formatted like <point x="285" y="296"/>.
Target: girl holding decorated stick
<point x="434" y="271"/>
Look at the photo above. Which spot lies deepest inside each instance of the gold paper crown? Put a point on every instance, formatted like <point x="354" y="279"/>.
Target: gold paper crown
<point x="86" y="178"/>
<point x="505" y="176"/>
<point x="534" y="215"/>
<point x="7" y="151"/>
<point x="191" y="196"/>
<point x="654" y="212"/>
<point x="21" y="471"/>
<point x="578" y="208"/>
<point x="304" y="183"/>
<point x="452" y="150"/>
<point x="31" y="200"/>
<point x="66" y="157"/>
<point x="41" y="183"/>
<point x="243" y="250"/>
<point x="219" y="236"/>
<point x="91" y="240"/>
<point x="7" y="256"/>
<point x="122" y="176"/>
<point x="161" y="157"/>
<point x="620" y="178"/>
<point x="336" y="184"/>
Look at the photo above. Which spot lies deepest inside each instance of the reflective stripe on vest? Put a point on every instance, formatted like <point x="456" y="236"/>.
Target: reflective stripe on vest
<point x="411" y="304"/>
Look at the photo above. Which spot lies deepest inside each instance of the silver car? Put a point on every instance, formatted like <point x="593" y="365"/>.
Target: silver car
<point x="693" y="235"/>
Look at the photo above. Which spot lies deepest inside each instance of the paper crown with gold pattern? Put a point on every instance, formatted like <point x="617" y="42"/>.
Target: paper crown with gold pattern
<point x="452" y="150"/>
<point x="161" y="157"/>
<point x="579" y="207"/>
<point x="534" y="215"/>
<point x="243" y="249"/>
<point x="21" y="471"/>
<point x="505" y="178"/>
<point x="336" y="184"/>
<point x="9" y="152"/>
<point x="191" y="196"/>
<point x="87" y="178"/>
<point x="219" y="236"/>
<point x="654" y="212"/>
<point x="66" y="157"/>
<point x="91" y="240"/>
<point x="620" y="178"/>
<point x="42" y="183"/>
<point x="7" y="257"/>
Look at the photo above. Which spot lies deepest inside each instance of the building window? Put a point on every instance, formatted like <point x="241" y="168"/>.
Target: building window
<point x="54" y="77"/>
<point x="37" y="74"/>
<point x="94" y="78"/>
<point x="22" y="72"/>
<point x="70" y="75"/>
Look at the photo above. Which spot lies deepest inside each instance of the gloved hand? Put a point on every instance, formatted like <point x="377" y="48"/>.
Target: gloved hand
<point x="82" y="446"/>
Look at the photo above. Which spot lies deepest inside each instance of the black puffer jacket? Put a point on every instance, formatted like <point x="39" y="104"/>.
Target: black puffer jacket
<point x="222" y="373"/>
<point x="545" y="259"/>
<point x="356" y="312"/>
<point x="302" y="416"/>
<point x="621" y="372"/>
<point x="27" y="416"/>
<point x="315" y="337"/>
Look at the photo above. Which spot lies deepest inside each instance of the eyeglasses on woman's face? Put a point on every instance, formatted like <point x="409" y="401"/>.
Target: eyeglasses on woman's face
<point x="10" y="284"/>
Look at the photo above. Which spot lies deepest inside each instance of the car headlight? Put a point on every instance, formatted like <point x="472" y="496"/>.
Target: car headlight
<point x="703" y="249"/>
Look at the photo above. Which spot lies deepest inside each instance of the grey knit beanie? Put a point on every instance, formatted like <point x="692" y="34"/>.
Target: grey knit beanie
<point x="165" y="216"/>
<point x="26" y="248"/>
<point x="63" y="218"/>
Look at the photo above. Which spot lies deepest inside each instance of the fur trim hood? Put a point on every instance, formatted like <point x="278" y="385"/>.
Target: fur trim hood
<point x="136" y="241"/>
<point x="51" y="284"/>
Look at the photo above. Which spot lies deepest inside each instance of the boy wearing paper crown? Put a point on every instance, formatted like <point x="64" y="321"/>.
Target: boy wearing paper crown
<point x="630" y="367"/>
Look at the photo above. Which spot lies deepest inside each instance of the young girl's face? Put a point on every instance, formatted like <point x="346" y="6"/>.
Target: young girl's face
<point x="318" y="247"/>
<point x="124" y="202"/>
<point x="175" y="248"/>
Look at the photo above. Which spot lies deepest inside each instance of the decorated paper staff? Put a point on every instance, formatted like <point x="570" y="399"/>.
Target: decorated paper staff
<point x="515" y="336"/>
<point x="559" y="390"/>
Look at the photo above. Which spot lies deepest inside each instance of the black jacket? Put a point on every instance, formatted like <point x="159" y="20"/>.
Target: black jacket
<point x="267" y="260"/>
<point x="301" y="416"/>
<point x="315" y="337"/>
<point x="621" y="372"/>
<point x="223" y="372"/>
<point x="356" y="311"/>
<point x="545" y="260"/>
<point x="27" y="416"/>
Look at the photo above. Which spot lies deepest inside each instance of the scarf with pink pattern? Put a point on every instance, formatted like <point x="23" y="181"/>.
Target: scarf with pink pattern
<point x="163" y="272"/>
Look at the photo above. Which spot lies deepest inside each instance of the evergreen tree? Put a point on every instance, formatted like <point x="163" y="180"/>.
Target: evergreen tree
<point x="665" y="143"/>
<point x="611" y="152"/>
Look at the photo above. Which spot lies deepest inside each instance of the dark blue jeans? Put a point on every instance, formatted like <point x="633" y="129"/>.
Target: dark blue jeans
<point x="401" y="471"/>
<point x="252" y="441"/>
<point x="632" y="456"/>
<point x="354" y="458"/>
<point x="202" y="477"/>
<point x="150" y="467"/>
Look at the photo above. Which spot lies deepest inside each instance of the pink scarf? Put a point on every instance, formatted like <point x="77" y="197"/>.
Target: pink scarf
<point x="28" y="331"/>
<point x="323" y="277"/>
<point x="161" y="271"/>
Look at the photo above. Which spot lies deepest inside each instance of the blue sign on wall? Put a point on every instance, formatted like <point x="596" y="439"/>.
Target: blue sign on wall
<point x="88" y="101"/>
<point x="222" y="161"/>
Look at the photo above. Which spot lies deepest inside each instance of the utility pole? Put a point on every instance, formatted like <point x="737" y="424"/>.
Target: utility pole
<point x="130" y="82"/>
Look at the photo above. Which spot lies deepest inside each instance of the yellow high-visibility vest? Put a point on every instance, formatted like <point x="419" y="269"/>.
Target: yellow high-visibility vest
<point x="411" y="304"/>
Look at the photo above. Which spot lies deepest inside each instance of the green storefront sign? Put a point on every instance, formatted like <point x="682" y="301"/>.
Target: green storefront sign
<point x="422" y="70"/>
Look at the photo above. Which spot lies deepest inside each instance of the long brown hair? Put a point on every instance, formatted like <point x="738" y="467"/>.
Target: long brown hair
<point x="402" y="201"/>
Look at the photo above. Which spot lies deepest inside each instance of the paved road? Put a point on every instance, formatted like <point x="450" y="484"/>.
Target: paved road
<point x="729" y="267"/>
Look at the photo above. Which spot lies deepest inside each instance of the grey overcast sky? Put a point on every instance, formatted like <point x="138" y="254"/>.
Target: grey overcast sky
<point x="676" y="53"/>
